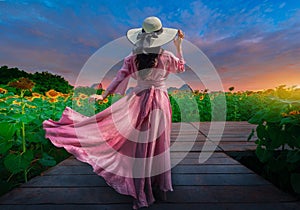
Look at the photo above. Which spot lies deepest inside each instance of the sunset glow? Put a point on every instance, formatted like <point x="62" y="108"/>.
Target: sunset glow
<point x="253" y="45"/>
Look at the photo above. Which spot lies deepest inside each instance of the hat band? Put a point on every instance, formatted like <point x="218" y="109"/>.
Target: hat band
<point x="159" y="31"/>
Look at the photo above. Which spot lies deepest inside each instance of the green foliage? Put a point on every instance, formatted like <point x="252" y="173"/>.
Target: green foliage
<point x="18" y="162"/>
<point x="278" y="137"/>
<point x="24" y="151"/>
<point x="44" y="81"/>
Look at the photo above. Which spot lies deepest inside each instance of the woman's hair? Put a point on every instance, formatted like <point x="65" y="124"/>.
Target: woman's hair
<point x="146" y="61"/>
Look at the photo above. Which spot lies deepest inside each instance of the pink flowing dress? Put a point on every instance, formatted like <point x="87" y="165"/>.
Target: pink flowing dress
<point x="128" y="143"/>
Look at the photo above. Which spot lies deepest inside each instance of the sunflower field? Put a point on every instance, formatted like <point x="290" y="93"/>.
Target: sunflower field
<point x="24" y="152"/>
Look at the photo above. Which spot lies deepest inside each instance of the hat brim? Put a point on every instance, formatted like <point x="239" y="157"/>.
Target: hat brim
<point x="166" y="36"/>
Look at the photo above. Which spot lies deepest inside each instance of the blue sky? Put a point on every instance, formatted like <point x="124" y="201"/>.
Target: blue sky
<point x="253" y="44"/>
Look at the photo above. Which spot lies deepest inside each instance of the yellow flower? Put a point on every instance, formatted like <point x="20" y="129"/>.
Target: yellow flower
<point x="175" y="91"/>
<point x="52" y="93"/>
<point x="295" y="112"/>
<point x="29" y="106"/>
<point x="83" y="96"/>
<point x="16" y="103"/>
<point x="201" y="97"/>
<point x="100" y="102"/>
<point x="3" y="91"/>
<point x="36" y="95"/>
<point x="53" y="100"/>
<point x="105" y="100"/>
<point x="79" y="103"/>
<point x="65" y="95"/>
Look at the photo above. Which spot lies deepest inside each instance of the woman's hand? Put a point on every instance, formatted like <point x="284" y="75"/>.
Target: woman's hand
<point x="178" y="39"/>
<point x="95" y="97"/>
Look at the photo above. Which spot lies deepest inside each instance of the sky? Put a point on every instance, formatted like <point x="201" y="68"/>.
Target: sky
<point x="253" y="44"/>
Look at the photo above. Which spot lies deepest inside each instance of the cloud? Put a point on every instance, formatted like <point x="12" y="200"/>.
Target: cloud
<point x="242" y="39"/>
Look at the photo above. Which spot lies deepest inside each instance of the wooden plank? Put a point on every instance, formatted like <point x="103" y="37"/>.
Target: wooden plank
<point x="62" y="195"/>
<point x="179" y="154"/>
<point x="188" y="139"/>
<point x="75" y="170"/>
<point x="235" y="148"/>
<point x="230" y="127"/>
<point x="222" y="161"/>
<point x="83" y="170"/>
<point x="92" y="180"/>
<point x="217" y="179"/>
<point x="163" y="206"/>
<point x="63" y="180"/>
<point x="210" y="161"/>
<point x="210" y="169"/>
<point x="175" y="154"/>
<point x="193" y="146"/>
<point x="231" y="139"/>
<point x="219" y="183"/>
<point x="181" y="194"/>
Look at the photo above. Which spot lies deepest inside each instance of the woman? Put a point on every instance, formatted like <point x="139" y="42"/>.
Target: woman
<point x="128" y="143"/>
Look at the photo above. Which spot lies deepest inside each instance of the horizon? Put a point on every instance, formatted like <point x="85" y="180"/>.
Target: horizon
<point x="254" y="45"/>
<point x="132" y="83"/>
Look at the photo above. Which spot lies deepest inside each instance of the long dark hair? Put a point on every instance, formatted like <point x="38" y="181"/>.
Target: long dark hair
<point x="145" y="61"/>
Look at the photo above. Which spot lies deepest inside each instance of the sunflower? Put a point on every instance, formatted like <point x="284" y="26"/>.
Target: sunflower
<point x="83" y="96"/>
<point x="16" y="103"/>
<point x="201" y="97"/>
<point x="53" y="100"/>
<point x="175" y="91"/>
<point x="294" y="112"/>
<point x="36" y="95"/>
<point x="29" y="106"/>
<point x="105" y="100"/>
<point x="78" y="103"/>
<point x="3" y="91"/>
<point x="52" y="93"/>
<point x="65" y="95"/>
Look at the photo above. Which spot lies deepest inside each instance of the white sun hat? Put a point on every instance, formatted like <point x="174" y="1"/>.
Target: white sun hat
<point x="151" y="35"/>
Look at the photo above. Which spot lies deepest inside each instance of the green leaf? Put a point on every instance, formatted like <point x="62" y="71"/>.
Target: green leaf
<point x="16" y="163"/>
<point x="7" y="130"/>
<point x="293" y="156"/>
<point x="47" y="160"/>
<point x="15" y="116"/>
<point x="287" y="120"/>
<point x="276" y="136"/>
<point x="263" y="154"/>
<point x="261" y="132"/>
<point x="257" y="118"/>
<point x="5" y="145"/>
<point x="27" y="118"/>
<point x="37" y="137"/>
<point x="295" y="182"/>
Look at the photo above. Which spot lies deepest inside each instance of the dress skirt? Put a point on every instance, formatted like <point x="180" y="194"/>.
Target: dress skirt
<point x="127" y="144"/>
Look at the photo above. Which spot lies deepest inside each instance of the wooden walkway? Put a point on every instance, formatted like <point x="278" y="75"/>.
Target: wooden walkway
<point x="218" y="183"/>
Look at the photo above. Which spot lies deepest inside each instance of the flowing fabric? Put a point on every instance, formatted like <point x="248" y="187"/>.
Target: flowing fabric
<point x="128" y="143"/>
